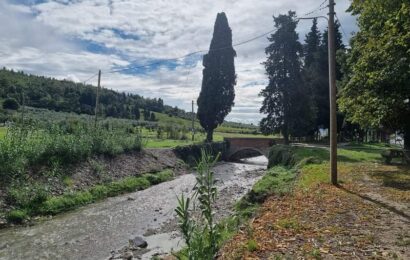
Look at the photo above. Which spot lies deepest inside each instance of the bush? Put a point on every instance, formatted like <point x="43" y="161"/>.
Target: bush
<point x="281" y="155"/>
<point x="191" y="153"/>
<point x="16" y="216"/>
<point x="29" y="197"/>
<point x="11" y="103"/>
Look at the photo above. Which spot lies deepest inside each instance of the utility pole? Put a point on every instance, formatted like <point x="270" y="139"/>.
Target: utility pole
<point x="97" y="99"/>
<point x="193" y="122"/>
<point x="332" y="93"/>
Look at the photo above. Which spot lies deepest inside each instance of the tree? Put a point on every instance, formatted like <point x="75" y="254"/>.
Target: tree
<point x="312" y="44"/>
<point x="376" y="92"/>
<point x="11" y="103"/>
<point x="217" y="93"/>
<point x="286" y="103"/>
<point x="152" y="117"/>
<point x="147" y="115"/>
<point x="316" y="70"/>
<point x="136" y="112"/>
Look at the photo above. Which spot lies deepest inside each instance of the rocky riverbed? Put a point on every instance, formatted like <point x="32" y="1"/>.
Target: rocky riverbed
<point x="103" y="230"/>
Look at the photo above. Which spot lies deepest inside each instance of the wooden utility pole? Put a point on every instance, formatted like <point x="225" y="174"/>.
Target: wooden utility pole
<point x="193" y="122"/>
<point x="97" y="99"/>
<point x="332" y="93"/>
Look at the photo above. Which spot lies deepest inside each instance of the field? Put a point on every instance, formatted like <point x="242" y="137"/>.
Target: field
<point x="166" y="132"/>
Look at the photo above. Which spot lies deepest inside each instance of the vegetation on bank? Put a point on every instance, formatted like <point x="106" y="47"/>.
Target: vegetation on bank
<point x="30" y="201"/>
<point x="23" y="149"/>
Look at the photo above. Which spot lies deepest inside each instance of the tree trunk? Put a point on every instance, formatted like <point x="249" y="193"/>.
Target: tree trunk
<point x="406" y="139"/>
<point x="209" y="135"/>
<point x="285" y="135"/>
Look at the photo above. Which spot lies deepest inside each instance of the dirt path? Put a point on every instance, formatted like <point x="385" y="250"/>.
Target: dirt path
<point x="366" y="217"/>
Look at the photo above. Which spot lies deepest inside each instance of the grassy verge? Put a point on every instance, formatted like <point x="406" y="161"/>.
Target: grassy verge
<point x="280" y="179"/>
<point x="36" y="202"/>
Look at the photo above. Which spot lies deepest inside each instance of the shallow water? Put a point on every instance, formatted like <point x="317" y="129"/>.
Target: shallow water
<point x="93" y="231"/>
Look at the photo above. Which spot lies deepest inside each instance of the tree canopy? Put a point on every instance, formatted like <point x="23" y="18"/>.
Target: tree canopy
<point x="376" y="89"/>
<point x="217" y="94"/>
<point x="287" y="105"/>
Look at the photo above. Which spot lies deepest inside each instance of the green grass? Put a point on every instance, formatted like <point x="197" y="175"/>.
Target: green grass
<point x="3" y="131"/>
<point x="26" y="204"/>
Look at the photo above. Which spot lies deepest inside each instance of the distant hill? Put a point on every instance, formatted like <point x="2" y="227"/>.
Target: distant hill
<point x="68" y="96"/>
<point x="71" y="97"/>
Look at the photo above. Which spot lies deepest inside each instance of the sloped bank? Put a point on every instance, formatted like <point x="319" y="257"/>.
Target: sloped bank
<point x="63" y="189"/>
<point x="60" y="190"/>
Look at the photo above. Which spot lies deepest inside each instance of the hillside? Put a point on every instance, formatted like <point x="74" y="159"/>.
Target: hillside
<point x="67" y="96"/>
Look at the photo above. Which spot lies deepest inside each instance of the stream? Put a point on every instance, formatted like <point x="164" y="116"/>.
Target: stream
<point x="96" y="230"/>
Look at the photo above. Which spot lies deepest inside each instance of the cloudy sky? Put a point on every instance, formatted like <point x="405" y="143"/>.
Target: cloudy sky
<point x="72" y="39"/>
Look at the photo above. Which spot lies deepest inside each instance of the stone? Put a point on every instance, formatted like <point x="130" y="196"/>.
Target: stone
<point x="138" y="242"/>
<point x="128" y="255"/>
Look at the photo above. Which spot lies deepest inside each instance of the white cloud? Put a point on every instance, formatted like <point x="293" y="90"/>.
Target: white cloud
<point x="43" y="39"/>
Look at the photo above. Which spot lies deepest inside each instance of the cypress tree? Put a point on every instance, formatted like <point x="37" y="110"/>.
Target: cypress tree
<point x="286" y="103"/>
<point x="217" y="93"/>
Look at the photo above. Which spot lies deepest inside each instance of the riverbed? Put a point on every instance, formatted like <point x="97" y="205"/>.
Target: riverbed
<point x="96" y="230"/>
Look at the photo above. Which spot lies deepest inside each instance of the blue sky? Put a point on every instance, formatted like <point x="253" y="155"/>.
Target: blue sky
<point x="72" y="39"/>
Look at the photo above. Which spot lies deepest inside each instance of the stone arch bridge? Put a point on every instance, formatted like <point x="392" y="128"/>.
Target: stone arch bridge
<point x="239" y="148"/>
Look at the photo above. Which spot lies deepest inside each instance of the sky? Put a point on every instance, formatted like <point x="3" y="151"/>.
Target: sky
<point x="73" y="39"/>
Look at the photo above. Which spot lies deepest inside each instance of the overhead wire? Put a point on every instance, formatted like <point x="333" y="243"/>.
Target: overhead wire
<point x="190" y="54"/>
<point x="320" y="7"/>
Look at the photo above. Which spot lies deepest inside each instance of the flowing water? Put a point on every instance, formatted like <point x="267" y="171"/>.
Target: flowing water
<point x="93" y="231"/>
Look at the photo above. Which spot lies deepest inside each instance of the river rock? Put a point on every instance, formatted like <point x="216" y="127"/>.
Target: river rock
<point x="128" y="255"/>
<point x="138" y="242"/>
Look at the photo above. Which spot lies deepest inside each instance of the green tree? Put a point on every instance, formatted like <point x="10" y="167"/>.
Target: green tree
<point x="288" y="107"/>
<point x="152" y="117"/>
<point x="147" y="115"/>
<point x="11" y="103"/>
<point x="136" y="112"/>
<point x="376" y="91"/>
<point x="312" y="44"/>
<point x="316" y="70"/>
<point x="217" y="93"/>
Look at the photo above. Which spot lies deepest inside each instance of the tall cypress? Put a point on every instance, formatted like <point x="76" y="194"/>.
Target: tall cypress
<point x="217" y="93"/>
<point x="287" y="105"/>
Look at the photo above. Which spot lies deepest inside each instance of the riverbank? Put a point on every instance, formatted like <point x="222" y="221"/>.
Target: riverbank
<point x="94" y="231"/>
<point x="99" y="177"/>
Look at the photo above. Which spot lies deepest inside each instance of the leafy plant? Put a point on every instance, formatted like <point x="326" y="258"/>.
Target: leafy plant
<point x="200" y="234"/>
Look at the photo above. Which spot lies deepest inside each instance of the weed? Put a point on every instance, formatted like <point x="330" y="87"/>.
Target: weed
<point x="201" y="235"/>
<point x="252" y="245"/>
<point x="16" y="216"/>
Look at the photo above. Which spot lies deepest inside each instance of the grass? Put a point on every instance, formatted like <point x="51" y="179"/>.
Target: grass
<point x="30" y="202"/>
<point x="3" y="131"/>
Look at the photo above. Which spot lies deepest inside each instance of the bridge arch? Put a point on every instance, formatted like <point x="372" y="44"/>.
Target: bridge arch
<point x="240" y="148"/>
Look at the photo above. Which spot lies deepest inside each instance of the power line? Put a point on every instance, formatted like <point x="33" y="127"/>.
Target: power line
<point x="341" y="26"/>
<point x="90" y="78"/>
<point x="319" y="8"/>
<point x="192" y="53"/>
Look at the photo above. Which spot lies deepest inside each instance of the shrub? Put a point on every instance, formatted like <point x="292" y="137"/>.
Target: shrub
<point x="11" y="103"/>
<point x="28" y="197"/>
<point x="281" y="155"/>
